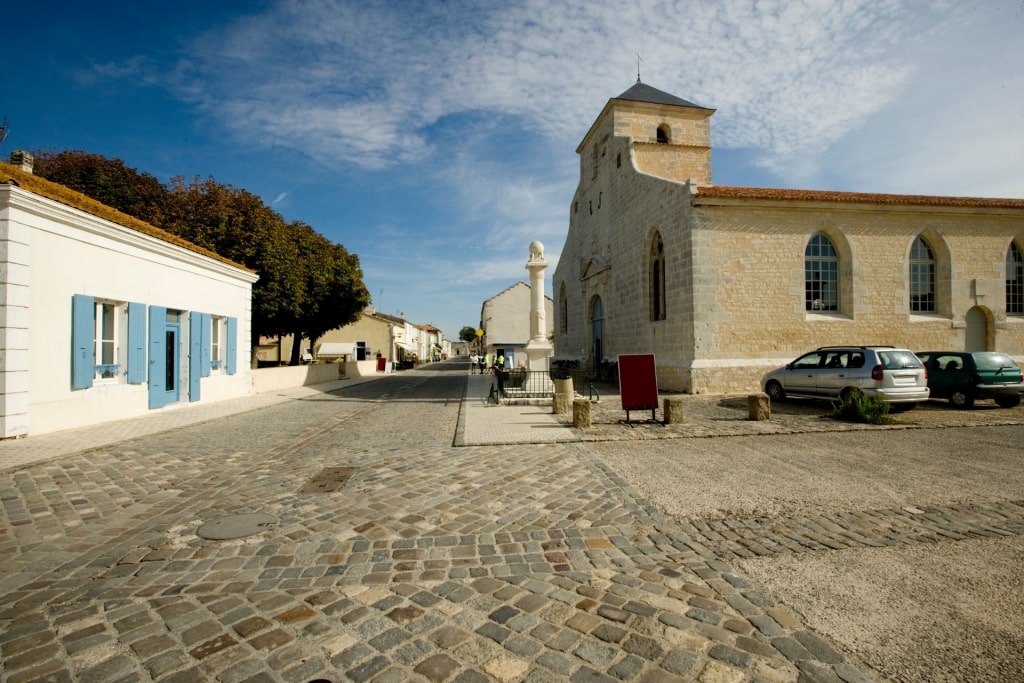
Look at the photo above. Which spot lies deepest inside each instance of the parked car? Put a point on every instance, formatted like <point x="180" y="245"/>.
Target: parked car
<point x="964" y="377"/>
<point x="896" y="375"/>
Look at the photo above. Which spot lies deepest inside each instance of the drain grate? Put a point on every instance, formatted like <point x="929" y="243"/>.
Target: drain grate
<point x="328" y="480"/>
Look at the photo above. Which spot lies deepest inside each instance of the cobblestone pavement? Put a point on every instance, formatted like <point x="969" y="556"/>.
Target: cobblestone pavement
<point x="388" y="554"/>
<point x="714" y="415"/>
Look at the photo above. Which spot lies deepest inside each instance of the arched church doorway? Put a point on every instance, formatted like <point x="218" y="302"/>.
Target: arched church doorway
<point x="597" y="330"/>
<point x="978" y="330"/>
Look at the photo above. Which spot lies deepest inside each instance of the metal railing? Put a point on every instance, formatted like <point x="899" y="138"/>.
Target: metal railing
<point x="521" y="383"/>
<point x="525" y="384"/>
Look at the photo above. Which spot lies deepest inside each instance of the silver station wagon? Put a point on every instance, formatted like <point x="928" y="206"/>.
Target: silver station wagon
<point x="831" y="372"/>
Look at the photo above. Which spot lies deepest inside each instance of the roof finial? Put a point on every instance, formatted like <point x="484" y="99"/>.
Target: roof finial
<point x="638" y="60"/>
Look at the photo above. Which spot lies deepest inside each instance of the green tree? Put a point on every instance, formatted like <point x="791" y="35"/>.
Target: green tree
<point x="307" y="284"/>
<point x="468" y="335"/>
<point x="239" y="226"/>
<point x="109" y="181"/>
<point x="333" y="292"/>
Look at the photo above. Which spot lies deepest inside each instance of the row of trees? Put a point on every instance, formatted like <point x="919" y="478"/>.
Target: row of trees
<point x="307" y="284"/>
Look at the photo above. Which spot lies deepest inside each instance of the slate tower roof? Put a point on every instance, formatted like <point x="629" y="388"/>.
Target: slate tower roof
<point x="641" y="92"/>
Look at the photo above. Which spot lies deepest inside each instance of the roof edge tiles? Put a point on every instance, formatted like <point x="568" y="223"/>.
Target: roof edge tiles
<point x="779" y="194"/>
<point x="10" y="174"/>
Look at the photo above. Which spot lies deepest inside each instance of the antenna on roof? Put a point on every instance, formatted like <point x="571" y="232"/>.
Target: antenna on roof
<point x="4" y="128"/>
<point x="638" y="60"/>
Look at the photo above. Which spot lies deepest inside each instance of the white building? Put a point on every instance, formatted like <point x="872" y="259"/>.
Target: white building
<point x="104" y="317"/>
<point x="505" y="320"/>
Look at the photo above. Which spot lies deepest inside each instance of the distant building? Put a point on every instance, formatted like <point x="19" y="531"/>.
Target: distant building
<point x="722" y="283"/>
<point x="505" y="320"/>
<point x="104" y="317"/>
<point x="374" y="343"/>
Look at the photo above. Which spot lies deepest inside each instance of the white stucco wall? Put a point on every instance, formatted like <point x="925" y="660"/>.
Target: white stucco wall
<point x="61" y="252"/>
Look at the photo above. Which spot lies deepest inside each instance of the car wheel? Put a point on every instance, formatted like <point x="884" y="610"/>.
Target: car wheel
<point x="1008" y="401"/>
<point x="848" y="392"/>
<point x="961" y="398"/>
<point x="775" y="391"/>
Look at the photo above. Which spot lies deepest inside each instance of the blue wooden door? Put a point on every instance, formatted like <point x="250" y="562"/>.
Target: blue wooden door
<point x="164" y="356"/>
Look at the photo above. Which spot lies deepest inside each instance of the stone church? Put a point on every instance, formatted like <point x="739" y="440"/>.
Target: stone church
<point x="722" y="283"/>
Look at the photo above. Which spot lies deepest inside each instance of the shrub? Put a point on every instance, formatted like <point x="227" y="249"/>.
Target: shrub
<point x="856" y="406"/>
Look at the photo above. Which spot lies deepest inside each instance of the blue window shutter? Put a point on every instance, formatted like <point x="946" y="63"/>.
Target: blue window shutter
<point x="207" y="323"/>
<point x="232" y="350"/>
<point x="136" y="343"/>
<point x="83" y="326"/>
<point x="157" y="356"/>
<point x="195" y="354"/>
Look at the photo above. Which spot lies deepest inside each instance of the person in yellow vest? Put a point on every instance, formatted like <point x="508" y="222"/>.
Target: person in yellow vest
<point x="487" y="362"/>
<point x="501" y="362"/>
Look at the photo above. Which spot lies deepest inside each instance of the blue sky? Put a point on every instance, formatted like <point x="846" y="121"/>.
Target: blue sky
<point x="437" y="139"/>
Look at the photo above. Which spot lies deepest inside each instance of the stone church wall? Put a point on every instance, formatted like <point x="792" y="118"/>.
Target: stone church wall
<point x="734" y="264"/>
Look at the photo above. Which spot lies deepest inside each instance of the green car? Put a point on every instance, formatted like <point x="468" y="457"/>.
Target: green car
<point x="964" y="377"/>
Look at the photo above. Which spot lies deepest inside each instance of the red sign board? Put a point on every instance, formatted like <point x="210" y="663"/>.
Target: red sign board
<point x="638" y="382"/>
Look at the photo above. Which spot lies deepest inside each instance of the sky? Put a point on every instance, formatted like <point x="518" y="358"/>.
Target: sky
<point x="436" y="139"/>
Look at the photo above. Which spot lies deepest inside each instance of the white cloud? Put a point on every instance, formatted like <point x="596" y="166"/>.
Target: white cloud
<point x="958" y="127"/>
<point x="484" y="101"/>
<point x="360" y="83"/>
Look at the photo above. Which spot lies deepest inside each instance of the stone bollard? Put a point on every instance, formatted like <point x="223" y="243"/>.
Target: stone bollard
<point x="563" y="394"/>
<point x="672" y="409"/>
<point x="564" y="386"/>
<point x="581" y="413"/>
<point x="759" y="407"/>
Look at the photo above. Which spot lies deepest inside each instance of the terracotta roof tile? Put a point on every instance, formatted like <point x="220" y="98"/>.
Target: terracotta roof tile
<point x="733" y="192"/>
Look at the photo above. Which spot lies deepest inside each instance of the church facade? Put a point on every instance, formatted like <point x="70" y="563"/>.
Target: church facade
<point x="722" y="283"/>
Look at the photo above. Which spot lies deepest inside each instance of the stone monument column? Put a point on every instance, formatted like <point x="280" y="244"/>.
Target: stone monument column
<point x="538" y="349"/>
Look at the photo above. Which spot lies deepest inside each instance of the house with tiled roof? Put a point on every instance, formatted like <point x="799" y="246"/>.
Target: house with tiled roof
<point x="721" y="283"/>
<point x="375" y="342"/>
<point x="105" y="317"/>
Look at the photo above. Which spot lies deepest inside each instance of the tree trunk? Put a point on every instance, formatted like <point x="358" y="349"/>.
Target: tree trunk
<point x="296" y="348"/>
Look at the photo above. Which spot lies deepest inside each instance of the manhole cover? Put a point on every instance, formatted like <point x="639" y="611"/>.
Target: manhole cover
<point x="328" y="480"/>
<point x="236" y="526"/>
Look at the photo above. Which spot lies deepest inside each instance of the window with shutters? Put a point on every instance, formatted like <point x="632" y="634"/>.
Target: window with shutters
<point x="218" y="325"/>
<point x="108" y="357"/>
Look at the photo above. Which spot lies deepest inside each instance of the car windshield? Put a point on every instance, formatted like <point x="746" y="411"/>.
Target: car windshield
<point x="993" y="361"/>
<point x="897" y="360"/>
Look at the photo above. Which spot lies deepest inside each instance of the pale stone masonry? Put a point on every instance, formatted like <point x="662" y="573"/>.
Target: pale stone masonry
<point x="726" y="296"/>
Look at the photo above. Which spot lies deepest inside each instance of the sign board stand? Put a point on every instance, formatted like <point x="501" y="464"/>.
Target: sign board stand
<point x="638" y="383"/>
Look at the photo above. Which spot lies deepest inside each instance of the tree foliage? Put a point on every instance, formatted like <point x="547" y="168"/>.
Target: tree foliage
<point x="307" y="284"/>
<point x="108" y="181"/>
<point x="467" y="334"/>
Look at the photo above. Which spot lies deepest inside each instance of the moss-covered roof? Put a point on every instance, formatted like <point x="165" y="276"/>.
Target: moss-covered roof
<point x="29" y="182"/>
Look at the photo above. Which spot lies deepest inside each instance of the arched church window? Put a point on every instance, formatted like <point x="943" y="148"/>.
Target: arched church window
<point x="922" y="277"/>
<point x="563" y="310"/>
<point x="1014" y="280"/>
<point x="656" y="270"/>
<point x="821" y="275"/>
<point x="663" y="133"/>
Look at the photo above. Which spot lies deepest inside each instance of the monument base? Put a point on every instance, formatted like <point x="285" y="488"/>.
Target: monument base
<point x="538" y="356"/>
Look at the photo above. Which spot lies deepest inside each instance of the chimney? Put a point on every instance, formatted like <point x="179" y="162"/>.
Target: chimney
<point x="23" y="160"/>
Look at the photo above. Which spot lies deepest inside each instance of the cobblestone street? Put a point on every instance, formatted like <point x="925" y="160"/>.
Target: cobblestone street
<point x="386" y="553"/>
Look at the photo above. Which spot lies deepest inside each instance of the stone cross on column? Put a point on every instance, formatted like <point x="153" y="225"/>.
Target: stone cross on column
<point x="538" y="349"/>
